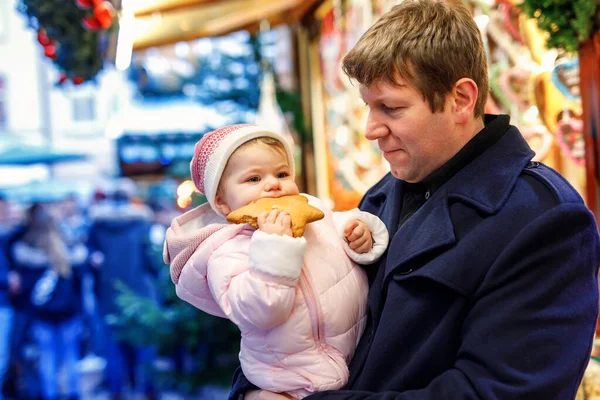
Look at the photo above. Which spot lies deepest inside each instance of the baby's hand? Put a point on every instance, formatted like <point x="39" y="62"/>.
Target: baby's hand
<point x="275" y="221"/>
<point x="358" y="236"/>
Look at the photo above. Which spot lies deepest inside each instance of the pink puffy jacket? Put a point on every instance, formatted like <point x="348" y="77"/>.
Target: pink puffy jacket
<point x="300" y="303"/>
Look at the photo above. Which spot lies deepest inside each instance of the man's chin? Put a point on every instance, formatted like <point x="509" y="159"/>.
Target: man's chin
<point x="403" y="175"/>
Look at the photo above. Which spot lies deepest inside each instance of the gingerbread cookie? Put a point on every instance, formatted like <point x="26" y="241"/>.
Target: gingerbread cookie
<point x="297" y="206"/>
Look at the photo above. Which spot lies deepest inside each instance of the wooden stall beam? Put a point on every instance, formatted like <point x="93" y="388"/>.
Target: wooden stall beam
<point x="589" y="74"/>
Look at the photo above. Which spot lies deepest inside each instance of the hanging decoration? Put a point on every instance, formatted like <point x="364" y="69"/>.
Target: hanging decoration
<point x="565" y="76"/>
<point x="269" y="113"/>
<point x="73" y="34"/>
<point x="511" y="20"/>
<point x="569" y="134"/>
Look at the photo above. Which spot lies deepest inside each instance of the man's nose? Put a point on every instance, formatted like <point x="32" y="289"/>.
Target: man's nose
<point x="375" y="129"/>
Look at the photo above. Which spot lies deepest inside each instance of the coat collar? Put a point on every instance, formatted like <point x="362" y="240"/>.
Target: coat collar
<point x="503" y="161"/>
<point x="484" y="184"/>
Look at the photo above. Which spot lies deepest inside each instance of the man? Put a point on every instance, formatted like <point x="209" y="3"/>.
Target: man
<point x="489" y="286"/>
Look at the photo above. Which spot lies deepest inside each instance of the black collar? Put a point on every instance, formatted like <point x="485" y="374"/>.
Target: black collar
<point x="495" y="127"/>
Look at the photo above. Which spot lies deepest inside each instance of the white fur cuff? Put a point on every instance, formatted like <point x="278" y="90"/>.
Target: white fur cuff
<point x="280" y="256"/>
<point x="378" y="231"/>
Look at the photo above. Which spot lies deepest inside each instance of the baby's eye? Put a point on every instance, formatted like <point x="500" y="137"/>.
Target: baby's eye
<point x="282" y="175"/>
<point x="253" y="179"/>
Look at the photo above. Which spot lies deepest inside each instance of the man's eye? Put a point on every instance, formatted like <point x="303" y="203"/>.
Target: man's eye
<point x="388" y="109"/>
<point x="282" y="175"/>
<point x="253" y="179"/>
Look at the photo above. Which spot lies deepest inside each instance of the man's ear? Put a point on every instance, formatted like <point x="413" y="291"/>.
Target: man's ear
<point x="220" y="204"/>
<point x="464" y="97"/>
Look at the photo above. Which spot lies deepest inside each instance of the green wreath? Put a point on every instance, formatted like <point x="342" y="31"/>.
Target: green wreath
<point x="568" y="22"/>
<point x="73" y="34"/>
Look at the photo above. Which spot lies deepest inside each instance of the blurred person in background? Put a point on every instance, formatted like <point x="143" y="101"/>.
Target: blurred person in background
<point x="10" y="284"/>
<point x="71" y="219"/>
<point x="120" y="245"/>
<point x="74" y="225"/>
<point x="51" y="271"/>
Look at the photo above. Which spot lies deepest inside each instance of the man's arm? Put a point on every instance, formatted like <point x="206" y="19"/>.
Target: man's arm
<point x="240" y="385"/>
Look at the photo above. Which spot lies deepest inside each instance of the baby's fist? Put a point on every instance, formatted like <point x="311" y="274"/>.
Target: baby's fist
<point x="275" y="221"/>
<point x="358" y="236"/>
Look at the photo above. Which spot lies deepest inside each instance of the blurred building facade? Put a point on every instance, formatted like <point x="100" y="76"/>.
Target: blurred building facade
<point x="34" y="110"/>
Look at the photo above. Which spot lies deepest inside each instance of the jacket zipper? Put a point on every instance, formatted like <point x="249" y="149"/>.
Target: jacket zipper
<point x="314" y="312"/>
<point x="311" y="304"/>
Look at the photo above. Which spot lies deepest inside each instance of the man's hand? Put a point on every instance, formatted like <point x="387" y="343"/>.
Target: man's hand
<point x="358" y="236"/>
<point x="275" y="221"/>
<point x="14" y="282"/>
<point x="265" y="395"/>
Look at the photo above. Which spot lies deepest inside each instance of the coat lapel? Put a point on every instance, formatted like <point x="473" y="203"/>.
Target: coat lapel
<point x="428" y="231"/>
<point x="385" y="201"/>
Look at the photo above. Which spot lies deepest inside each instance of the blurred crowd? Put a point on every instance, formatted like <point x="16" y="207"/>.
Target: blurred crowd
<point x="59" y="262"/>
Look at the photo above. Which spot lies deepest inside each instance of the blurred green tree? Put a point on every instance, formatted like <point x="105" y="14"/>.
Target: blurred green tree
<point x="201" y="349"/>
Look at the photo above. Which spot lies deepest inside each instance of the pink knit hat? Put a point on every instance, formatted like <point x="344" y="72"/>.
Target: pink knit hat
<point x="214" y="149"/>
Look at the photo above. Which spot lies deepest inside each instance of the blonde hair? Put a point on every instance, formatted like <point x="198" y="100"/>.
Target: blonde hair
<point x="264" y="142"/>
<point x="42" y="233"/>
<point x="429" y="43"/>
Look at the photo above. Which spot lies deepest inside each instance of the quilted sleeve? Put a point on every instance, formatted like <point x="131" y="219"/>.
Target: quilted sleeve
<point x="193" y="288"/>
<point x="257" y="288"/>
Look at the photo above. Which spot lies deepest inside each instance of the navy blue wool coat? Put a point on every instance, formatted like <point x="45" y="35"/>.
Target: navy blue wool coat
<point x="489" y="291"/>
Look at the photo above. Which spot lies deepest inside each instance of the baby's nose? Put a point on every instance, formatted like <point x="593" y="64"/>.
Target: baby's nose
<point x="272" y="183"/>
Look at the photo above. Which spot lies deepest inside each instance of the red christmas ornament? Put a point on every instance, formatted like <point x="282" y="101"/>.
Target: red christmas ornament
<point x="50" y="51"/>
<point x="104" y="13"/>
<point x="78" y="80"/>
<point x="84" y="4"/>
<point x="63" y="78"/>
<point x="91" y="23"/>
<point x="43" y="38"/>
